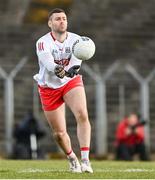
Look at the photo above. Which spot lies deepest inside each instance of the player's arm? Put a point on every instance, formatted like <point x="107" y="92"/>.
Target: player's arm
<point x="44" y="55"/>
<point x="46" y="59"/>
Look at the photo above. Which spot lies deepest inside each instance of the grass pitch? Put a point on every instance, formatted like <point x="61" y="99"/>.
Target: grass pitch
<point x="58" y="169"/>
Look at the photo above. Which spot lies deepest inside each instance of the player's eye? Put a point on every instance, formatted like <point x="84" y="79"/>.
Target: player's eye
<point x="57" y="19"/>
<point x="60" y="18"/>
<point x="64" y="18"/>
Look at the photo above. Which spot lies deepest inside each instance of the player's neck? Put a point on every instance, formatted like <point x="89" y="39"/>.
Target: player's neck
<point x="59" y="37"/>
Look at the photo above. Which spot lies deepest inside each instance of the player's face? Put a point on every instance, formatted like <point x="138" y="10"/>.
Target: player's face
<point x="58" y="22"/>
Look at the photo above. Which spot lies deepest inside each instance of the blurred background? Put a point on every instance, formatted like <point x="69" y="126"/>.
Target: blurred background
<point x="119" y="79"/>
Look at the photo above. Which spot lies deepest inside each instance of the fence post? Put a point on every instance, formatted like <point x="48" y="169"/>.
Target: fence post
<point x="101" y="120"/>
<point x="35" y="101"/>
<point x="105" y="77"/>
<point x="145" y="101"/>
<point x="9" y="113"/>
<point x="101" y="109"/>
<point x="9" y="102"/>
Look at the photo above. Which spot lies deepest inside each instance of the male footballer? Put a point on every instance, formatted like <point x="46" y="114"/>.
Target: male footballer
<point x="59" y="84"/>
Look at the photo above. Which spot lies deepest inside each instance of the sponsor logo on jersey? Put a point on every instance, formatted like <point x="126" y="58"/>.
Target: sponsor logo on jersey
<point x="63" y="62"/>
<point x="63" y="58"/>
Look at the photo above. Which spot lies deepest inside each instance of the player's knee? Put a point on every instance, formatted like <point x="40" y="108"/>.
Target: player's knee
<point x="82" y="115"/>
<point x="59" y="135"/>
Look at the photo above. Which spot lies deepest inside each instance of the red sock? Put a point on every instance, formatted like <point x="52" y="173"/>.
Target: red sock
<point x="69" y="152"/>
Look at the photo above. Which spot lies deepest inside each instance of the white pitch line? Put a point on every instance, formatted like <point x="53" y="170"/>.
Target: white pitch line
<point x="36" y="170"/>
<point x="125" y="170"/>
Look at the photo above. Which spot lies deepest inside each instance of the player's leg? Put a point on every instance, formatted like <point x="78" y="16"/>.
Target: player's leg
<point x="57" y="122"/>
<point x="76" y="100"/>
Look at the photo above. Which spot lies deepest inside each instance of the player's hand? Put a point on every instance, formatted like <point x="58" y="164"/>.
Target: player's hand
<point x="59" y="71"/>
<point x="73" y="71"/>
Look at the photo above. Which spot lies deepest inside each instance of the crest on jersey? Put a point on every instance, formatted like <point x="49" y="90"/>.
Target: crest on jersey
<point x="67" y="50"/>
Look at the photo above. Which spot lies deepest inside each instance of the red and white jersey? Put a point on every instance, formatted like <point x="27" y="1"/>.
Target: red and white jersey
<point x="50" y="53"/>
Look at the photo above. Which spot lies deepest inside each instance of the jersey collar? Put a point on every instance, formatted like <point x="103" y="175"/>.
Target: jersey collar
<point x="54" y="37"/>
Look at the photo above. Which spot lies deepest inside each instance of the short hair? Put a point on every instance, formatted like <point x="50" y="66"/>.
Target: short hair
<point x="56" y="10"/>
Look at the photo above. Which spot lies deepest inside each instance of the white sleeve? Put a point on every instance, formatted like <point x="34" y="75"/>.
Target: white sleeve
<point x="44" y="55"/>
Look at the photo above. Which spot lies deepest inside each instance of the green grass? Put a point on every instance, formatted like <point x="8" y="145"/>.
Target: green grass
<point x="58" y="169"/>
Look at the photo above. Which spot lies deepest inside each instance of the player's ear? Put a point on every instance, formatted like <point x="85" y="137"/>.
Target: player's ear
<point x="49" y="23"/>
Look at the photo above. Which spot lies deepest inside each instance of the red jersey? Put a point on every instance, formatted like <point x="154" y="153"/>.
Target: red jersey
<point x="131" y="139"/>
